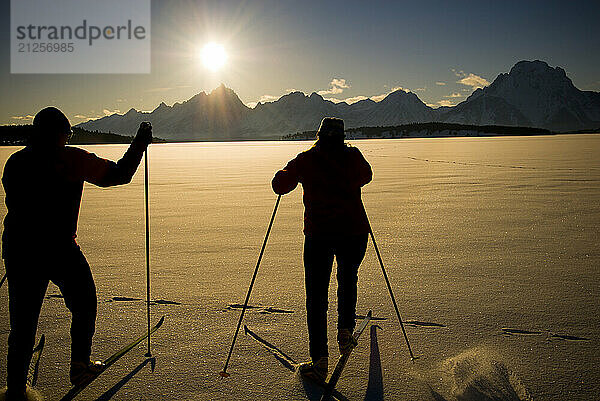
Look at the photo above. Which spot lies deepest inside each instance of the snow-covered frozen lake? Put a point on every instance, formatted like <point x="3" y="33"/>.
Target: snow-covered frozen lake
<point x="477" y="234"/>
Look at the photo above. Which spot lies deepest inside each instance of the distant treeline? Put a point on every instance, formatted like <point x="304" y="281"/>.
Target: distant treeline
<point x="585" y="131"/>
<point x="17" y="135"/>
<point x="427" y="130"/>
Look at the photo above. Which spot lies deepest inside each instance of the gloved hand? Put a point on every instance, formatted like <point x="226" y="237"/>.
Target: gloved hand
<point x="144" y="133"/>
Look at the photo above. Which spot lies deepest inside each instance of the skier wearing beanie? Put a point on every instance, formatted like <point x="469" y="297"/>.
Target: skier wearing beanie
<point x="43" y="184"/>
<point x="335" y="224"/>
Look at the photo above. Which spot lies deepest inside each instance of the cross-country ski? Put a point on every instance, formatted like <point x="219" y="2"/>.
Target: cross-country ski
<point x="75" y="390"/>
<point x="337" y="372"/>
<point x="288" y="362"/>
<point x="34" y="366"/>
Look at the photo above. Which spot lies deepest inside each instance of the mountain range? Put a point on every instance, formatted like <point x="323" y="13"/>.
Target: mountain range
<point x="532" y="94"/>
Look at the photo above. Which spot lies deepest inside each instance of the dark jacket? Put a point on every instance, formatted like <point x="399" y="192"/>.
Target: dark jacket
<point x="43" y="192"/>
<point x="331" y="179"/>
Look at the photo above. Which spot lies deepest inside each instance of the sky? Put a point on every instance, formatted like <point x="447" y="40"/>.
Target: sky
<point x="343" y="50"/>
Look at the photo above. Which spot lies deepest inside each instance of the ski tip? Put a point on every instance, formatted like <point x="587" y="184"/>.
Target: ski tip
<point x="152" y="364"/>
<point x="370" y="314"/>
<point x="160" y="322"/>
<point x="224" y="374"/>
<point x="414" y="358"/>
<point x="40" y="344"/>
<point x="246" y="329"/>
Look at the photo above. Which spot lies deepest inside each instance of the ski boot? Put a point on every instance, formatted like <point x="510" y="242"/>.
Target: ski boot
<point x="83" y="371"/>
<point x="346" y="341"/>
<point x="14" y="395"/>
<point x="316" y="370"/>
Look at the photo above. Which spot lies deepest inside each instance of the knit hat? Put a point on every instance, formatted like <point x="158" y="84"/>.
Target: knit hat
<point x="51" y="119"/>
<point x="331" y="127"/>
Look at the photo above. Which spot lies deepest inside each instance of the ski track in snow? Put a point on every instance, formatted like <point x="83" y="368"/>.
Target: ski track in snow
<point x="549" y="335"/>
<point x="152" y="302"/>
<point x="510" y="331"/>
<point x="417" y="323"/>
<point x="123" y="299"/>
<point x="495" y="165"/>
<point x="126" y="299"/>
<point x="264" y="310"/>
<point x="568" y="337"/>
<point x="372" y="318"/>
<point x="164" y="302"/>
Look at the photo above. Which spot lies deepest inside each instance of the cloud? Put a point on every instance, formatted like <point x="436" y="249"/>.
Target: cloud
<point x="348" y="100"/>
<point x="440" y="83"/>
<point x="152" y="90"/>
<point x="28" y="117"/>
<point x="421" y="89"/>
<point x="341" y="83"/>
<point x="336" y="86"/>
<point x="82" y="117"/>
<point x="167" y="88"/>
<point x="379" y="98"/>
<point x="262" y="99"/>
<point x="474" y="81"/>
<point x="110" y="112"/>
<point x="456" y="94"/>
<point x="446" y="103"/>
<point x="331" y="91"/>
<point x="355" y="99"/>
<point x="268" y="98"/>
<point x="470" y="79"/>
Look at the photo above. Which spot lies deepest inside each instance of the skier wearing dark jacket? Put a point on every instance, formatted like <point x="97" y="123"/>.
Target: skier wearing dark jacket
<point x="335" y="224"/>
<point x="43" y="184"/>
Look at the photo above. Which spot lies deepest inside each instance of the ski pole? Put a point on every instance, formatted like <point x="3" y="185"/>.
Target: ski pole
<point x="149" y="353"/>
<point x="389" y="287"/>
<point x="224" y="373"/>
<point x="3" y="279"/>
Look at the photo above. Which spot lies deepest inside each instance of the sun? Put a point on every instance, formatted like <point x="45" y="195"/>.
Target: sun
<point x="213" y="56"/>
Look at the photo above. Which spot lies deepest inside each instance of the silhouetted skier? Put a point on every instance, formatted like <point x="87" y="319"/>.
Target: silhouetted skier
<point x="335" y="223"/>
<point x="43" y="184"/>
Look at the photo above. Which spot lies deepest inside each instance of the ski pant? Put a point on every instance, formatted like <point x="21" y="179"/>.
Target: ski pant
<point x="28" y="278"/>
<point x="349" y="252"/>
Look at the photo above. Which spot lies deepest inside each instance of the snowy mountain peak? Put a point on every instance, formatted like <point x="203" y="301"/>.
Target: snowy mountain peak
<point x="532" y="93"/>
<point x="536" y="67"/>
<point x="161" y="106"/>
<point x="292" y="98"/>
<point x="403" y="96"/>
<point x="199" y="97"/>
<point x="222" y="90"/>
